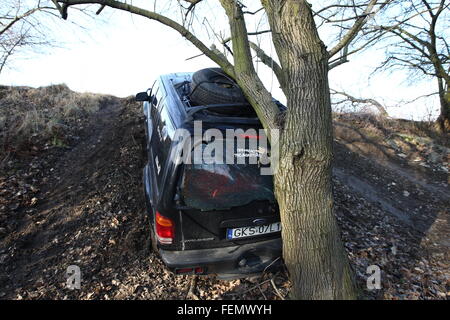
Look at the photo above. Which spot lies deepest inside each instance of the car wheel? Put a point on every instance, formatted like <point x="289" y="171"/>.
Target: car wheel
<point x="153" y="240"/>
<point x="149" y="210"/>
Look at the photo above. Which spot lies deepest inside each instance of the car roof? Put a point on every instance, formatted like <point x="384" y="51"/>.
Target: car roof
<point x="177" y="77"/>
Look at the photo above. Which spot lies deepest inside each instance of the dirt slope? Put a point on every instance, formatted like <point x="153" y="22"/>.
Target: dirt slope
<point x="83" y="205"/>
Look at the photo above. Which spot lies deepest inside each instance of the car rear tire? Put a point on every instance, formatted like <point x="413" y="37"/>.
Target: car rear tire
<point x="213" y="86"/>
<point x="153" y="241"/>
<point x="148" y="207"/>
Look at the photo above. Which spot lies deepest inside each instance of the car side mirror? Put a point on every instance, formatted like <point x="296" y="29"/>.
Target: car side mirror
<point x="142" y="96"/>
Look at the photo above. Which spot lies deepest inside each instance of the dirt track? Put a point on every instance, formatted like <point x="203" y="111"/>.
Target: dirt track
<point x="83" y="205"/>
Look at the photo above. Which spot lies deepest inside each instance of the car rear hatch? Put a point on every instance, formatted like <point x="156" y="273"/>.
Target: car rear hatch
<point x="227" y="204"/>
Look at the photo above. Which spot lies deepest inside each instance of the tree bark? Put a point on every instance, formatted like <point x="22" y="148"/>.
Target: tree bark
<point x="312" y="249"/>
<point x="244" y="71"/>
<point x="443" y="121"/>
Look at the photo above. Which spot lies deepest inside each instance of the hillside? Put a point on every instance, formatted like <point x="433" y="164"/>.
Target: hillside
<point x="70" y="193"/>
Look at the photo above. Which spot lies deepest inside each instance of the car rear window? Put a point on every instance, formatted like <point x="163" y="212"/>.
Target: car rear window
<point x="222" y="186"/>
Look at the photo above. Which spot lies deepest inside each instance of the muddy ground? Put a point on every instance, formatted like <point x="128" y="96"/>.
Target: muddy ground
<point x="82" y="204"/>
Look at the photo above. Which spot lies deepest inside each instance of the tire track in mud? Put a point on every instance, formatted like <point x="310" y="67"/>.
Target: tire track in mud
<point x="43" y="237"/>
<point x="399" y="191"/>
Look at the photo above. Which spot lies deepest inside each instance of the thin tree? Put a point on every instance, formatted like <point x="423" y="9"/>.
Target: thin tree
<point x="418" y="40"/>
<point x="312" y="249"/>
<point x="20" y="28"/>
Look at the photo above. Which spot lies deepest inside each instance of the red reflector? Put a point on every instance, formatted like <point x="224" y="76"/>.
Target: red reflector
<point x="165" y="231"/>
<point x="184" y="270"/>
<point x="198" y="270"/>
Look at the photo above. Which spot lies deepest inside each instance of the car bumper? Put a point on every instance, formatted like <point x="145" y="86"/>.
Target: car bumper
<point x="229" y="262"/>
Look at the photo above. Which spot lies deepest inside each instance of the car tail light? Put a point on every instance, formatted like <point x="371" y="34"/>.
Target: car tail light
<point x="165" y="230"/>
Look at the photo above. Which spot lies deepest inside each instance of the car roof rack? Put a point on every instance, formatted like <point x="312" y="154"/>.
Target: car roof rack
<point x="190" y="112"/>
<point x="225" y="118"/>
<point x="220" y="118"/>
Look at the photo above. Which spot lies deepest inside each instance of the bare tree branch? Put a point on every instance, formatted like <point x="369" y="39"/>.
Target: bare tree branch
<point x="21" y="29"/>
<point x="255" y="33"/>
<point x="223" y="63"/>
<point x="351" y="34"/>
<point x="100" y="9"/>
<point x="22" y="17"/>
<point x="353" y="100"/>
<point x="268" y="61"/>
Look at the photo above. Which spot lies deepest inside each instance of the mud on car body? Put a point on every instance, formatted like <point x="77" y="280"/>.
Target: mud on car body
<point x="206" y="218"/>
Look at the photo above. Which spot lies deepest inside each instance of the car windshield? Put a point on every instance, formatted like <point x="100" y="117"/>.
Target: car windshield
<point x="218" y="186"/>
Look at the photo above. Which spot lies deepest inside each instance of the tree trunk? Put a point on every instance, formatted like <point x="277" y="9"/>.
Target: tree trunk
<point x="312" y="249"/>
<point x="443" y="121"/>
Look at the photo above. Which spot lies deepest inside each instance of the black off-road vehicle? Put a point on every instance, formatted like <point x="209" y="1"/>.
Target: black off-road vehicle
<point x="206" y="218"/>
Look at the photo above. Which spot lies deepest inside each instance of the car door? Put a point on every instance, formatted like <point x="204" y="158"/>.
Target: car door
<point x="159" y="134"/>
<point x="154" y="134"/>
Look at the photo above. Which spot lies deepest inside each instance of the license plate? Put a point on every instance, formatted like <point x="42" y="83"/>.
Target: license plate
<point x="244" y="232"/>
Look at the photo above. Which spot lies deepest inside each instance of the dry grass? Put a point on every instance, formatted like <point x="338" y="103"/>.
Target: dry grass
<point x="33" y="116"/>
<point x="378" y="127"/>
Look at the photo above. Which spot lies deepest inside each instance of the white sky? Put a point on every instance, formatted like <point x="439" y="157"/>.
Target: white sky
<point x="126" y="53"/>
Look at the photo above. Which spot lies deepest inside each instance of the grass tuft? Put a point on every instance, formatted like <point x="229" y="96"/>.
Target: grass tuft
<point x="34" y="116"/>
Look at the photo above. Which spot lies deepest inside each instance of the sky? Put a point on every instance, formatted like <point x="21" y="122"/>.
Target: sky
<point x="122" y="54"/>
